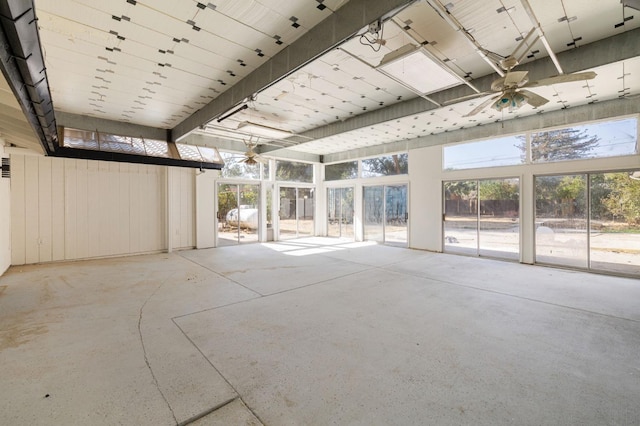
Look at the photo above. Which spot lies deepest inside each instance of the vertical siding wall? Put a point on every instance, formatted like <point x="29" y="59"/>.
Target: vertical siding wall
<point x="5" y="219"/>
<point x="182" y="207"/>
<point x="64" y="209"/>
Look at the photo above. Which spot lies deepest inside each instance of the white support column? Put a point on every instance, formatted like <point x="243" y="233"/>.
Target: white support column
<point x="169" y="206"/>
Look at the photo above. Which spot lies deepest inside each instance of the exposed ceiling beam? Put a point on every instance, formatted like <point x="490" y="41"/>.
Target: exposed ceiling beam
<point x="22" y="65"/>
<point x="564" y="117"/>
<point x="613" y="49"/>
<point x="237" y="146"/>
<point x="331" y="32"/>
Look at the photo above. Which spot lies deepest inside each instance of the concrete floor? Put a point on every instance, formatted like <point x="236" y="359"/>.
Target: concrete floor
<point x="313" y="332"/>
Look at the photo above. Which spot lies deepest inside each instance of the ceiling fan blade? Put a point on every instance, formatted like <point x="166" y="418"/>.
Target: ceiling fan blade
<point x="514" y="78"/>
<point x="482" y="106"/>
<point x="564" y="78"/>
<point x="533" y="99"/>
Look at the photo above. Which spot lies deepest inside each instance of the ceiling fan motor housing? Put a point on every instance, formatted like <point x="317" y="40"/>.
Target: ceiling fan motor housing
<point x="512" y="100"/>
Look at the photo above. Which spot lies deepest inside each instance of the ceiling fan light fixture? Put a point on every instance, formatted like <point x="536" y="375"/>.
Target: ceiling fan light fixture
<point x="512" y="100"/>
<point x="260" y="130"/>
<point x="416" y="68"/>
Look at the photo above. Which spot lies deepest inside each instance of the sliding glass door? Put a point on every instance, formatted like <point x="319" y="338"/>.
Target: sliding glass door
<point x="296" y="213"/>
<point x="340" y="212"/>
<point x="614" y="226"/>
<point x="589" y="221"/>
<point x="385" y="214"/>
<point x="561" y="220"/>
<point x="238" y="213"/>
<point x="482" y="217"/>
<point x="461" y="217"/>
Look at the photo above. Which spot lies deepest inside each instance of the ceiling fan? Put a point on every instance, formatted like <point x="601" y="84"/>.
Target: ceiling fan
<point x="251" y="157"/>
<point x="512" y="88"/>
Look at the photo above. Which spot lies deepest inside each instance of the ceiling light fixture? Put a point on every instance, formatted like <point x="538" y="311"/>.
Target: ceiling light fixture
<point x="263" y="131"/>
<point x="417" y="69"/>
<point x="512" y="100"/>
<point x="230" y="113"/>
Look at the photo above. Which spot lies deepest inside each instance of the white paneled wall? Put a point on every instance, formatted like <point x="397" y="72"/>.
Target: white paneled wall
<point x="63" y="209"/>
<point x="181" y="205"/>
<point x="5" y="219"/>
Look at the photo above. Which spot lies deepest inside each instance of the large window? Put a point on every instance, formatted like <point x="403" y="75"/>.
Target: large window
<point x="488" y="153"/>
<point x="561" y="220"/>
<point x="385" y="214"/>
<point x="296" y="212"/>
<point x="291" y="171"/>
<point x="589" y="221"/>
<point x="340" y="171"/>
<point x="614" y="229"/>
<point x="340" y="212"/>
<point x="594" y="140"/>
<point x="482" y="217"/>
<point x="397" y="164"/>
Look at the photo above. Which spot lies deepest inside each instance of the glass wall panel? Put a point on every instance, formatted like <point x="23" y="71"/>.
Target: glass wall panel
<point x="373" y="213"/>
<point x="561" y="220"/>
<point x="269" y="207"/>
<point x="593" y="140"/>
<point x="238" y="213"/>
<point x="389" y="165"/>
<point x="385" y="214"/>
<point x="615" y="222"/>
<point x="340" y="171"/>
<point x="340" y="212"/>
<point x="461" y="217"/>
<point x="506" y="151"/>
<point x="291" y="171"/>
<point x="288" y="221"/>
<point x="499" y="225"/>
<point x="296" y="212"/>
<point x="306" y="207"/>
<point x="396" y="215"/>
<point x="248" y="213"/>
<point x="227" y="214"/>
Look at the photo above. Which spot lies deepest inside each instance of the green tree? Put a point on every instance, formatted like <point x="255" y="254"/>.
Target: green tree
<point x="571" y="191"/>
<point x="624" y="197"/>
<point x="292" y="171"/>
<point x="339" y="171"/>
<point x="561" y="144"/>
<point x="498" y="190"/>
<point x="599" y="191"/>
<point x="389" y="165"/>
<point x="461" y="197"/>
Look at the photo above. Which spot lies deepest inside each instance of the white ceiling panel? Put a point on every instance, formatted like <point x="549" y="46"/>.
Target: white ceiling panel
<point x="157" y="62"/>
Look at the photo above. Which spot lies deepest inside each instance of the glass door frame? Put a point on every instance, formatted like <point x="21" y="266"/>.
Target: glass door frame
<point x="478" y="215"/>
<point x="353" y="206"/>
<point x="297" y="186"/>
<point x="384" y="186"/>
<point x="238" y="184"/>
<point x="587" y="195"/>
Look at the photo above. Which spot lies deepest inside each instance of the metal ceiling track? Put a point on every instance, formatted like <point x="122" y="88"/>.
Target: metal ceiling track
<point x="23" y="67"/>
